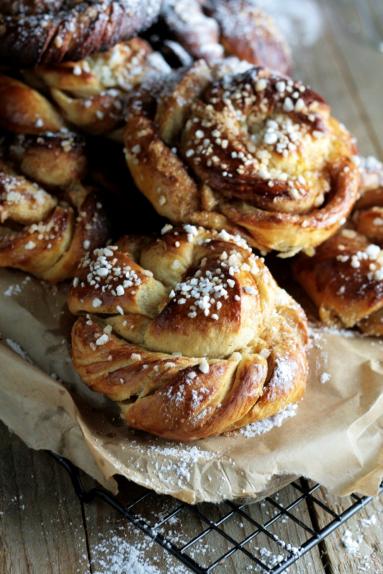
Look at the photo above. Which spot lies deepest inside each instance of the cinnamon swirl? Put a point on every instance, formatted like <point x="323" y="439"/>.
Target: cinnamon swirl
<point x="253" y="152"/>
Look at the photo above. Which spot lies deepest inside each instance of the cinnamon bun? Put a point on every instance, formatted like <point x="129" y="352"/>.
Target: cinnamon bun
<point x="188" y="333"/>
<point x="48" y="218"/>
<point x="94" y="94"/>
<point x="34" y="32"/>
<point x="254" y="152"/>
<point x="345" y="276"/>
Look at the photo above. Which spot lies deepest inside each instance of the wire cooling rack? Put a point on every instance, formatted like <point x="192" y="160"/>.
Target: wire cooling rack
<point x="260" y="548"/>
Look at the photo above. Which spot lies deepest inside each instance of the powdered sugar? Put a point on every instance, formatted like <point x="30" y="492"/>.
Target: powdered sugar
<point x="12" y="290"/>
<point x="129" y="552"/>
<point x="370" y="165"/>
<point x="120" y="557"/>
<point x="266" y="425"/>
<point x="325" y="378"/>
<point x="283" y="377"/>
<point x="169" y="461"/>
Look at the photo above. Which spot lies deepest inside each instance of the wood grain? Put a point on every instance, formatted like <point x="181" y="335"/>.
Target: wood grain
<point x="362" y="67"/>
<point x="365" y="529"/>
<point x="41" y="526"/>
<point x="323" y="67"/>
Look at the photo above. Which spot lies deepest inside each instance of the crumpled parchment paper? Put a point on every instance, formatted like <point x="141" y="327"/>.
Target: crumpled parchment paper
<point x="335" y="438"/>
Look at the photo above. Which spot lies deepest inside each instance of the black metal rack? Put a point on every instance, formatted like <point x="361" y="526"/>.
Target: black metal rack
<point x="310" y="534"/>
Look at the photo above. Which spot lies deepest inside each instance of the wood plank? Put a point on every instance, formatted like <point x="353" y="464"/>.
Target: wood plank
<point x="287" y="530"/>
<point x="41" y="525"/>
<point x="357" y="545"/>
<point x="322" y="68"/>
<point x="363" y="69"/>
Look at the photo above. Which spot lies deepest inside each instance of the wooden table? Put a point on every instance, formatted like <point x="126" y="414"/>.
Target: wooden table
<point x="44" y="528"/>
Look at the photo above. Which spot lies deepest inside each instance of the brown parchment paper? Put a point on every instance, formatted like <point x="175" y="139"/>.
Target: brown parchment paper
<point x="336" y="437"/>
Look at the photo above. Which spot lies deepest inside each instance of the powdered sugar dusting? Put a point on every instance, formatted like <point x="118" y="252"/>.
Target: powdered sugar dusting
<point x="168" y="460"/>
<point x="119" y="556"/>
<point x="181" y="461"/>
<point x="129" y="552"/>
<point x="266" y="425"/>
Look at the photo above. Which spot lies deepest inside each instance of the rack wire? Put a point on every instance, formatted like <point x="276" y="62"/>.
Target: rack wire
<point x="253" y="546"/>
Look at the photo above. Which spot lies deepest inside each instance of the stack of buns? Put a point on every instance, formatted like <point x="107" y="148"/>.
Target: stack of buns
<point x="185" y="328"/>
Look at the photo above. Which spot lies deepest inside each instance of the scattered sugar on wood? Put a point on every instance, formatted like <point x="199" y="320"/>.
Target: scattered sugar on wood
<point x="367" y="522"/>
<point x="362" y="555"/>
<point x="350" y="543"/>
<point x="116" y="555"/>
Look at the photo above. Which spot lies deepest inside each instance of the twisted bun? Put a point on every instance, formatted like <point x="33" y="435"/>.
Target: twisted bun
<point x="48" y="218"/>
<point x="94" y="94"/>
<point x="253" y="152"/>
<point x="214" y="29"/>
<point x="345" y="276"/>
<point x="189" y="333"/>
<point x="44" y="32"/>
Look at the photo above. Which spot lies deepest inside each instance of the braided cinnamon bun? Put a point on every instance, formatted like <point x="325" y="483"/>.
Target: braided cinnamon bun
<point x="254" y="152"/>
<point x="48" y="219"/>
<point x="213" y="29"/>
<point x="189" y="333"/>
<point x="50" y="32"/>
<point x="345" y="276"/>
<point x="94" y="94"/>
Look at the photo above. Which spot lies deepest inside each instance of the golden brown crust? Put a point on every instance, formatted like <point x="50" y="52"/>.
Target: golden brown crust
<point x="41" y="32"/>
<point x="56" y="160"/>
<point x="24" y="110"/>
<point x="253" y="152"/>
<point x="188" y="332"/>
<point x="345" y="276"/>
<point x="48" y="218"/>
<point x="94" y="94"/>
<point x="214" y="28"/>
